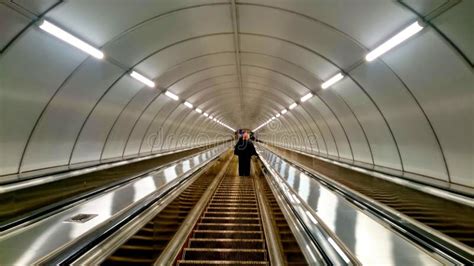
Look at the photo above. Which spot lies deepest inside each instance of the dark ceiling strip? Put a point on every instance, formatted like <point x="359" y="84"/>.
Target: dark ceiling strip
<point x="437" y="30"/>
<point x="32" y="22"/>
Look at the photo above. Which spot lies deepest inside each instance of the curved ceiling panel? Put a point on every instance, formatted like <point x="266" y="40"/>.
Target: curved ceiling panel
<point x="176" y="26"/>
<point x="408" y="113"/>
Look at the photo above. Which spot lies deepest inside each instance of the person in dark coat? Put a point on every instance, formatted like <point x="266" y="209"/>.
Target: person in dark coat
<point x="244" y="149"/>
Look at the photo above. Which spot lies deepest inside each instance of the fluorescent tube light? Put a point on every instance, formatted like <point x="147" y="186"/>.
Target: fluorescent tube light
<point x="278" y="115"/>
<point x="284" y="111"/>
<point x="292" y="106"/>
<point x="306" y="97"/>
<point x="69" y="38"/>
<point x="142" y="79"/>
<point x="332" y="81"/>
<point x="199" y="110"/>
<point x="189" y="105"/>
<point x="394" y="41"/>
<point x="211" y="117"/>
<point x="206" y="114"/>
<point x="172" y="95"/>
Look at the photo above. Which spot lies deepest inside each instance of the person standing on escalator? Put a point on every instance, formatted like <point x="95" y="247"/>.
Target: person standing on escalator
<point x="245" y="150"/>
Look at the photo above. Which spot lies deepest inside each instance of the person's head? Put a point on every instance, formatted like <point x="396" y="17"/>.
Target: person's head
<point x="245" y="136"/>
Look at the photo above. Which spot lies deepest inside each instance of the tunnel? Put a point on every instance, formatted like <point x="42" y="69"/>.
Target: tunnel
<point x="360" y="112"/>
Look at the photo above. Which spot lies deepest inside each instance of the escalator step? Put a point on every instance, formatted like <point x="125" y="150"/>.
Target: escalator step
<point x="226" y="209"/>
<point x="231" y="214"/>
<point x="226" y="243"/>
<point x="228" y="234"/>
<point x="229" y="226"/>
<point x="220" y="262"/>
<point x="240" y="220"/>
<point x="224" y="254"/>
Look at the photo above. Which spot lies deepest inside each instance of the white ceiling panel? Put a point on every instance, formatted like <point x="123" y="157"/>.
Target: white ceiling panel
<point x="11" y="24"/>
<point x="177" y="27"/>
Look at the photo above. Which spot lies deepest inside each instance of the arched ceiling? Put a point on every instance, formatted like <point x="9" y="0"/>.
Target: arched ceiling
<point x="242" y="62"/>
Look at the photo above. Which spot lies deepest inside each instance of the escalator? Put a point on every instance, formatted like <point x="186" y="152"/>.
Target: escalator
<point x="448" y="217"/>
<point x="147" y="244"/>
<point x="229" y="229"/>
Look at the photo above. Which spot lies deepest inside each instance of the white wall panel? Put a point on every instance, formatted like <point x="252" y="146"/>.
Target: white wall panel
<point x="412" y="132"/>
<point x="176" y="27"/>
<point x="280" y="24"/>
<point x="171" y="125"/>
<point x="136" y="136"/>
<point x="286" y="68"/>
<point x="330" y="141"/>
<point x="447" y="96"/>
<point x="457" y="23"/>
<point x="30" y="71"/>
<point x="197" y="65"/>
<point x="154" y="134"/>
<point x="365" y="20"/>
<point x="343" y="145"/>
<point x="316" y="139"/>
<point x="187" y="82"/>
<point x="171" y="57"/>
<point x="354" y="131"/>
<point x="288" y="51"/>
<point x="94" y="133"/>
<point x="200" y="129"/>
<point x="381" y="141"/>
<point x="117" y="137"/>
<point x="104" y="20"/>
<point x="11" y="23"/>
<point x="302" y="136"/>
<point x="224" y="79"/>
<point x="278" y="78"/>
<point x="184" y="129"/>
<point x="36" y="6"/>
<point x="424" y="7"/>
<point x="54" y="135"/>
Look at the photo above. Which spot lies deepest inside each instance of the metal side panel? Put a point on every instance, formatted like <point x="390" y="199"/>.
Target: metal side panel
<point x="368" y="240"/>
<point x="31" y="243"/>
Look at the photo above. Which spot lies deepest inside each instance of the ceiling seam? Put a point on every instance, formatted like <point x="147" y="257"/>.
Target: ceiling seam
<point x="235" y="28"/>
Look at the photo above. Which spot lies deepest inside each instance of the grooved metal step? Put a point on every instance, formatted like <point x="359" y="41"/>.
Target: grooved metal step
<point x="229" y="230"/>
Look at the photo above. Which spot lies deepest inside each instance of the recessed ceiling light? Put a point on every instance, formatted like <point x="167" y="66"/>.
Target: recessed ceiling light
<point x="332" y="81"/>
<point x="71" y="39"/>
<point x="400" y="37"/>
<point x="142" y="79"/>
<point x="172" y="95"/>
<point x="306" y="97"/>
